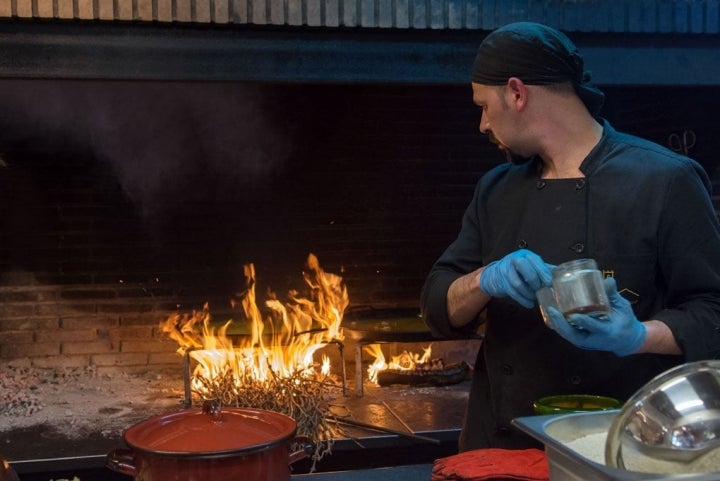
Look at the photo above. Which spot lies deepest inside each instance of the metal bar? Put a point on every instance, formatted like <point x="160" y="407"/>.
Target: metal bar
<point x="187" y="402"/>
<point x="358" y="369"/>
<point x="361" y="424"/>
<point x="397" y="416"/>
<point x="341" y="348"/>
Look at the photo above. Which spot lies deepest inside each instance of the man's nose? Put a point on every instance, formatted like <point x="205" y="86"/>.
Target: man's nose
<point x="483" y="126"/>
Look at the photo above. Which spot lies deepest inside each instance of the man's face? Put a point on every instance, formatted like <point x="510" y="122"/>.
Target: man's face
<point x="496" y="120"/>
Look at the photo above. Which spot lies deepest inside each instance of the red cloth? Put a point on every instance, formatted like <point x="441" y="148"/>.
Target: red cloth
<point x="493" y="464"/>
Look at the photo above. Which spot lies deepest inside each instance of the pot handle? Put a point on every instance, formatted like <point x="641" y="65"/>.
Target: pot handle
<point x="121" y="461"/>
<point x="212" y="408"/>
<point x="305" y="449"/>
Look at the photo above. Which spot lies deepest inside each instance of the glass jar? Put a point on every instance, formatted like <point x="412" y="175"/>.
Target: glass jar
<point x="579" y="288"/>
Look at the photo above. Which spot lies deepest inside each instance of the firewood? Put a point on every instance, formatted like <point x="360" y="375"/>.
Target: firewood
<point x="449" y="374"/>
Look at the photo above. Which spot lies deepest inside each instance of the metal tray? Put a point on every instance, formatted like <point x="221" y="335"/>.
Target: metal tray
<point x="555" y="431"/>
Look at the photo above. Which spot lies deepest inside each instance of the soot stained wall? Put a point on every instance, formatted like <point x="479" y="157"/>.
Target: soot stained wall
<point x="109" y="182"/>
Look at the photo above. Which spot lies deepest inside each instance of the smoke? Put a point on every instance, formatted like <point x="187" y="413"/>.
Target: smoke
<point x="167" y="143"/>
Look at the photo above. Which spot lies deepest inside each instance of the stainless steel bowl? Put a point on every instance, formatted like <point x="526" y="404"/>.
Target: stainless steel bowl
<point x="674" y="418"/>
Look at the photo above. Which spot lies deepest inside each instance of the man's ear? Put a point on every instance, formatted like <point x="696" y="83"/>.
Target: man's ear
<point x="517" y="92"/>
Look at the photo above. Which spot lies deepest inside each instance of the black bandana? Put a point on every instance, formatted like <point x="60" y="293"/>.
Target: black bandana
<point x="537" y="55"/>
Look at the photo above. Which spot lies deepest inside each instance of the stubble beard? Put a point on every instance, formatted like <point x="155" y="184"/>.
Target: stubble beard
<point x="510" y="156"/>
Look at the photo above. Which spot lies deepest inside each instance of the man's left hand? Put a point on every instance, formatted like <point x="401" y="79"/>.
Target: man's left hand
<point x="619" y="331"/>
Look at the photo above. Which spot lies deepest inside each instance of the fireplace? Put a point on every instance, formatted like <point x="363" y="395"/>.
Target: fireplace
<point x="128" y="201"/>
<point x="124" y="201"/>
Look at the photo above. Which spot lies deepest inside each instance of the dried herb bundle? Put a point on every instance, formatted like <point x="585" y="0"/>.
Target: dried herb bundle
<point x="305" y="396"/>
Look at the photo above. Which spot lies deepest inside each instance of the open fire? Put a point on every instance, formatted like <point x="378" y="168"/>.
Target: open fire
<point x="257" y="347"/>
<point x="413" y="368"/>
<point x="406" y="361"/>
<point x="266" y="359"/>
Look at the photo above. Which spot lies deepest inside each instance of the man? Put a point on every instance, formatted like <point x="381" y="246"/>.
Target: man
<point x="573" y="188"/>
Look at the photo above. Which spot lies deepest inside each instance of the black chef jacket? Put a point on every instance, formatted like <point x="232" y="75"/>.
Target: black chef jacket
<point x="644" y="213"/>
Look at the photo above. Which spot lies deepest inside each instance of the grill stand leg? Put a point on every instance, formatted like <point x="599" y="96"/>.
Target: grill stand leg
<point x="358" y="369"/>
<point x="187" y="402"/>
<point x="341" y="348"/>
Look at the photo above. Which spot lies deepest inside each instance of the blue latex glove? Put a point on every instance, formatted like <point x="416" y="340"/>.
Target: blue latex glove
<point x="517" y="275"/>
<point x="619" y="332"/>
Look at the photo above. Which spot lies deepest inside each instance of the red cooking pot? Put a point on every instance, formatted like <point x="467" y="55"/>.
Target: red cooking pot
<point x="210" y="443"/>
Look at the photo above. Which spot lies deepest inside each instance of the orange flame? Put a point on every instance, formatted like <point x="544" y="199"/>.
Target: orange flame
<point x="305" y="325"/>
<point x="406" y="361"/>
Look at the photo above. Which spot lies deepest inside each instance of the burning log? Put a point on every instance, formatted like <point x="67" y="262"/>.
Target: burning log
<point x="437" y="374"/>
<point x="413" y="368"/>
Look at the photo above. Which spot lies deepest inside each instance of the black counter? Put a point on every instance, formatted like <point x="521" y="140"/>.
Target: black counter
<point x="434" y="414"/>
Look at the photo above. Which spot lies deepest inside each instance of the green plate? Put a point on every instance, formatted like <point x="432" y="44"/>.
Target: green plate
<point x="575" y="403"/>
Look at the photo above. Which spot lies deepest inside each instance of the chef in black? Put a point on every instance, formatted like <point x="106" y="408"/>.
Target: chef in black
<point x="573" y="188"/>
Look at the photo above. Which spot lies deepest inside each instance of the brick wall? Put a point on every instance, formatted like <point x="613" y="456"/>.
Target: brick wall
<point x="78" y="326"/>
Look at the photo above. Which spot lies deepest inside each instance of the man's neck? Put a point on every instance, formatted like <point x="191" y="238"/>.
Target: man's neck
<point x="563" y="159"/>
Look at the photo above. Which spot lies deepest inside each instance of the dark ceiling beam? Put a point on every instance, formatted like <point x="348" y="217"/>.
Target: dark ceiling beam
<point x="141" y="52"/>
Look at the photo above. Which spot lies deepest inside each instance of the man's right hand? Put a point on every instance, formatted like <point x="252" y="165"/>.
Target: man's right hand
<point x="517" y="275"/>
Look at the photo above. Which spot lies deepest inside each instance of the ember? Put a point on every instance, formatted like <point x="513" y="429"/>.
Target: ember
<point x="274" y="371"/>
<point x="405" y="361"/>
<point x="17" y="391"/>
<point x="412" y="368"/>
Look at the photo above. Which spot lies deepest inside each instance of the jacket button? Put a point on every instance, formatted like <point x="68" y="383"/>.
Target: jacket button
<point x="575" y="380"/>
<point x="522" y="244"/>
<point x="580" y="184"/>
<point x="578" y="247"/>
<point x="540" y="184"/>
<point x="507" y="369"/>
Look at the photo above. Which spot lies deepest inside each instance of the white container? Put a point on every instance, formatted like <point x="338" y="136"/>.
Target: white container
<point x="566" y="464"/>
